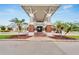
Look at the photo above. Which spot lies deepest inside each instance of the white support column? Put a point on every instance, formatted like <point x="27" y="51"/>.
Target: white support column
<point x="48" y="14"/>
<point x="31" y="14"/>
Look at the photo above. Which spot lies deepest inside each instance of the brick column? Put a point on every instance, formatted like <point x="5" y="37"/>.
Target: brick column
<point x="31" y="28"/>
<point x="48" y="28"/>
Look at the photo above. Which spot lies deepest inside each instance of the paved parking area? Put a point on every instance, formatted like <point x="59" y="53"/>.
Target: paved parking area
<point x="29" y="47"/>
<point x="70" y="48"/>
<point x="38" y="47"/>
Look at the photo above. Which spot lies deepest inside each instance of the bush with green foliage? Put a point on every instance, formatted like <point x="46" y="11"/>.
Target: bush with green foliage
<point x="66" y="26"/>
<point x="2" y="28"/>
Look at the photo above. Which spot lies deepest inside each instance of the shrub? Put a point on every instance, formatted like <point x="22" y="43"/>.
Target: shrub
<point x="2" y="27"/>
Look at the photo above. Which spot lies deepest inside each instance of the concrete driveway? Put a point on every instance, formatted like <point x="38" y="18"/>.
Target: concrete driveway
<point x="38" y="47"/>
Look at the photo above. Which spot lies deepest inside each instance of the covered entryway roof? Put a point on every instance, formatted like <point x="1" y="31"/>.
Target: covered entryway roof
<point x="40" y="12"/>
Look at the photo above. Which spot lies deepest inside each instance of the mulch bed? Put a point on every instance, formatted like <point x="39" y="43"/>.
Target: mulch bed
<point x="62" y="37"/>
<point x="25" y="36"/>
<point x="19" y="37"/>
<point x="58" y="37"/>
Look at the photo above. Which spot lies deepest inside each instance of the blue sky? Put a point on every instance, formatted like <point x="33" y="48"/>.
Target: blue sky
<point x="66" y="13"/>
<point x="10" y="11"/>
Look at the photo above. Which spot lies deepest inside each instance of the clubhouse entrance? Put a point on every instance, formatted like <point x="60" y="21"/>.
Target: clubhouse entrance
<point x="39" y="28"/>
<point x="40" y="16"/>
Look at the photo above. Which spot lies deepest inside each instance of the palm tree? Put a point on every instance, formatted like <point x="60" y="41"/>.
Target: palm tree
<point x="18" y="22"/>
<point x="59" y="26"/>
<point x="66" y="27"/>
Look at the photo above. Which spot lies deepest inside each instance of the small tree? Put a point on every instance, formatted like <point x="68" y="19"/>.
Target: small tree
<point x="2" y="28"/>
<point x="59" y="26"/>
<point x="9" y="28"/>
<point x="18" y="22"/>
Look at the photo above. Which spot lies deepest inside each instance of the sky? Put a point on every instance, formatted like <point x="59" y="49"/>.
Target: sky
<point x="65" y="13"/>
<point x="11" y="11"/>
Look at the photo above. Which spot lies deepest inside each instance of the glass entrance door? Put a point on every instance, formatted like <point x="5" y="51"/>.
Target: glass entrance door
<point x="39" y="28"/>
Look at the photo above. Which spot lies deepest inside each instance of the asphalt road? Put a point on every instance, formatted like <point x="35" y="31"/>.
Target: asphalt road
<point x="38" y="47"/>
<point x="29" y="47"/>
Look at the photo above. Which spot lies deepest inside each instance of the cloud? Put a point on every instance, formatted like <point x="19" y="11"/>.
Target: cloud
<point x="7" y="11"/>
<point x="67" y="6"/>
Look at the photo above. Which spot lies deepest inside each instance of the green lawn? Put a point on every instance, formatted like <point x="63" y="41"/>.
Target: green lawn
<point x="5" y="36"/>
<point x="75" y="37"/>
<point x="8" y="36"/>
